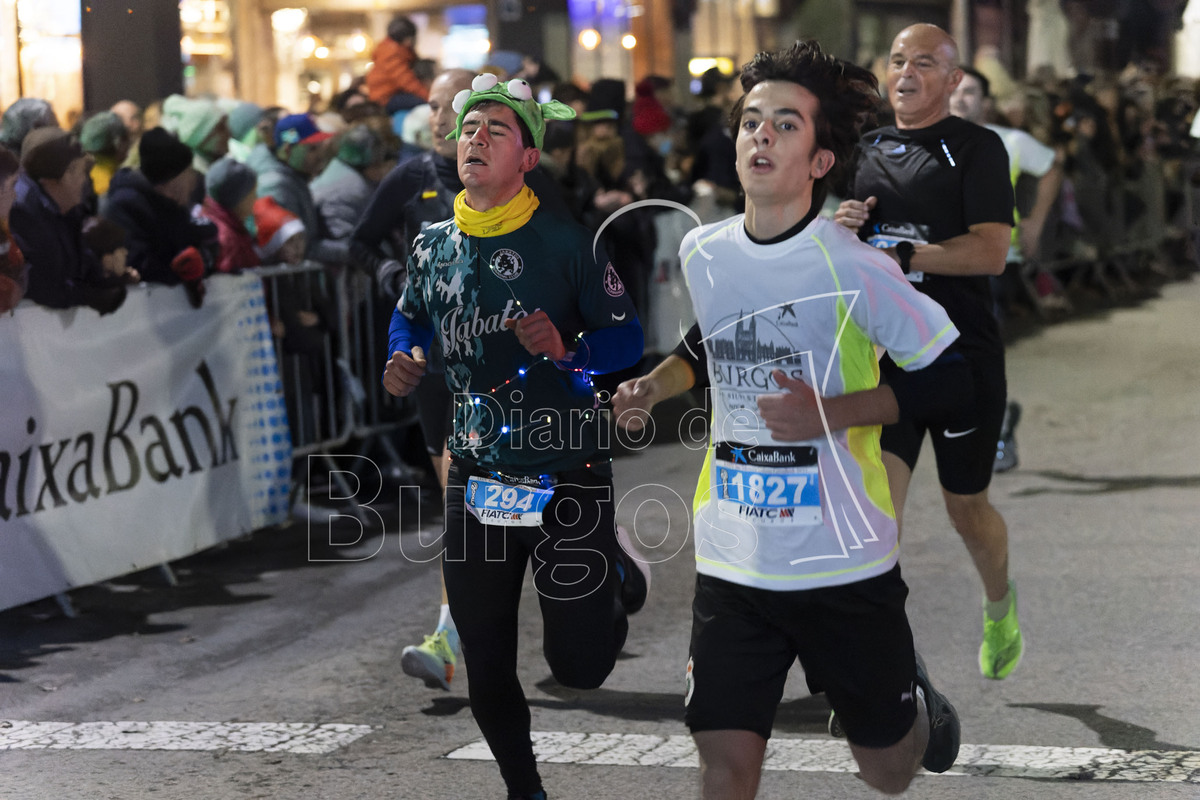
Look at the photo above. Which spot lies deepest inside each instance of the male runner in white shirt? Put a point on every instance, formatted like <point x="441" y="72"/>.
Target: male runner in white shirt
<point x="795" y="532"/>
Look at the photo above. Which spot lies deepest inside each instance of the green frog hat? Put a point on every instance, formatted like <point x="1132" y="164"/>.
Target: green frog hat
<point x="517" y="95"/>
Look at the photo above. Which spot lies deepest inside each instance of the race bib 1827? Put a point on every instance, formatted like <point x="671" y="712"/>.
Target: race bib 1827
<point x="767" y="484"/>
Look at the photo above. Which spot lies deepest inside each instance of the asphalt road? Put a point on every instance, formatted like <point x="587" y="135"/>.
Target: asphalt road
<point x="1102" y="514"/>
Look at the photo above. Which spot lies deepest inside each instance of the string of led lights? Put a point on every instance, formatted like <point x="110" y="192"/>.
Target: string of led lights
<point x="479" y="398"/>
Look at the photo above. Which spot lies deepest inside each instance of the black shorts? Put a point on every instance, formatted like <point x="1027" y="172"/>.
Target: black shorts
<point x="435" y="411"/>
<point x="853" y="642"/>
<point x="964" y="438"/>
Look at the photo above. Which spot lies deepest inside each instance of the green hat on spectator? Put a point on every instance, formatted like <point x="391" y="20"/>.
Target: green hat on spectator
<point x="23" y="116"/>
<point x="243" y="118"/>
<point x="361" y="147"/>
<point x="198" y="120"/>
<point x="102" y="133"/>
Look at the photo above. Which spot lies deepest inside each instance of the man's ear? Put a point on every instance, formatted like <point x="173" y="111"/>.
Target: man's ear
<point x="530" y="159"/>
<point x="823" y="162"/>
<point x="955" y="79"/>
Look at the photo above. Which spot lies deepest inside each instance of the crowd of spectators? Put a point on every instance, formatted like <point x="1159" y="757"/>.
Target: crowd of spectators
<point x="167" y="194"/>
<point x="1125" y="217"/>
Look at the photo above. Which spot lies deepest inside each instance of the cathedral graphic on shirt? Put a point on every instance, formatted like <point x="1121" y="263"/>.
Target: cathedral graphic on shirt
<point x="747" y="347"/>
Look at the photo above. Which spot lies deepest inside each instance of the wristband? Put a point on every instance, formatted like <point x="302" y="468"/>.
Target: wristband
<point x="905" y="251"/>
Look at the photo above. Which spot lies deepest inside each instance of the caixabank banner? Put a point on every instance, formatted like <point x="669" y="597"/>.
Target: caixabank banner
<point x="136" y="438"/>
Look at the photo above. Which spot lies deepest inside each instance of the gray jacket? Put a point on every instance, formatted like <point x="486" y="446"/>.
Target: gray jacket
<point x="341" y="194"/>
<point x="290" y="189"/>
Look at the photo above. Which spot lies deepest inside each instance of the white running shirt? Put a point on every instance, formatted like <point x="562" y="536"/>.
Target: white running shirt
<point x="798" y="515"/>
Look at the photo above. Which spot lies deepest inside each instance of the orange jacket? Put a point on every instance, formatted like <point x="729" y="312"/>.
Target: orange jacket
<point x="393" y="73"/>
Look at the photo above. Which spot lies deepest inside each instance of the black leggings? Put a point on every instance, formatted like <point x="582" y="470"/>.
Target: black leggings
<point x="583" y="621"/>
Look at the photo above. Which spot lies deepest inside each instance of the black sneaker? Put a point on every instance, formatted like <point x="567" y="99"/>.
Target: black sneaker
<point x="944" y="730"/>
<point x="1006" y="448"/>
<point x="635" y="574"/>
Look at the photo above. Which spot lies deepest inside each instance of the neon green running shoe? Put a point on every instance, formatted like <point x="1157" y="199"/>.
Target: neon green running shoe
<point x="432" y="661"/>
<point x="1002" y="642"/>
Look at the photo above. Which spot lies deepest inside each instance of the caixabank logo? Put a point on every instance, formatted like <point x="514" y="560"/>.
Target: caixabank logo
<point x="132" y="447"/>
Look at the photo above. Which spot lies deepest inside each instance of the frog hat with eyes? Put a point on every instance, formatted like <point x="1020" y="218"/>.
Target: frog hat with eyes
<point x="517" y="95"/>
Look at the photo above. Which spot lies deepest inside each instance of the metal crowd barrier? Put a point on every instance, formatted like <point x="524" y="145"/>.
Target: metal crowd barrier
<point x="307" y="354"/>
<point x="331" y="376"/>
<point x="378" y="415"/>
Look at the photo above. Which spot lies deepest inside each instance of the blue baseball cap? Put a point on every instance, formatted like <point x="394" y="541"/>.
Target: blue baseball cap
<point x="298" y="129"/>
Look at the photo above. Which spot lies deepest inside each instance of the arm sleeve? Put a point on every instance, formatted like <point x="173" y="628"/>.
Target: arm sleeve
<point x="608" y="349"/>
<point x="691" y="350"/>
<point x="613" y="338"/>
<point x="404" y="334"/>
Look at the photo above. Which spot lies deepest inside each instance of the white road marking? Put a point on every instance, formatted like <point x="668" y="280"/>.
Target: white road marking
<point x="829" y="755"/>
<point x="246" y="737"/>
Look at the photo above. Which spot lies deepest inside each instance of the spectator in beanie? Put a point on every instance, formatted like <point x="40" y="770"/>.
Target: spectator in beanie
<point x="106" y="240"/>
<point x="47" y="225"/>
<point x="649" y="142"/>
<point x="230" y="188"/>
<point x="392" y="82"/>
<point x="650" y="116"/>
<point x="300" y="154"/>
<point x="205" y="129"/>
<point x="14" y="278"/>
<point x="106" y="139"/>
<point x="258" y="141"/>
<point x="152" y="203"/>
<point x="203" y="126"/>
<point x="23" y="116"/>
<point x="243" y="122"/>
<point x="342" y="191"/>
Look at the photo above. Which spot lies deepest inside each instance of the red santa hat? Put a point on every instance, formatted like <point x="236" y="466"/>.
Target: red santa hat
<point x="275" y="226"/>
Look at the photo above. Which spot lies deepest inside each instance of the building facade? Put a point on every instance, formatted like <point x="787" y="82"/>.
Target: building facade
<point x="83" y="55"/>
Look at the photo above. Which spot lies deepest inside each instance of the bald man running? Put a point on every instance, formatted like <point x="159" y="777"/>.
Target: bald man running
<point x="934" y="191"/>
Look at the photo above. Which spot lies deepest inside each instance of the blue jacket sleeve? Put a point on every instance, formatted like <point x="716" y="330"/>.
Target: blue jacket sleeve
<point x="404" y="334"/>
<point x="608" y="349"/>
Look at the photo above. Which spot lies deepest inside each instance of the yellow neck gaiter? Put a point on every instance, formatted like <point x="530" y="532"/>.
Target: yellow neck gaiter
<point x="496" y="221"/>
